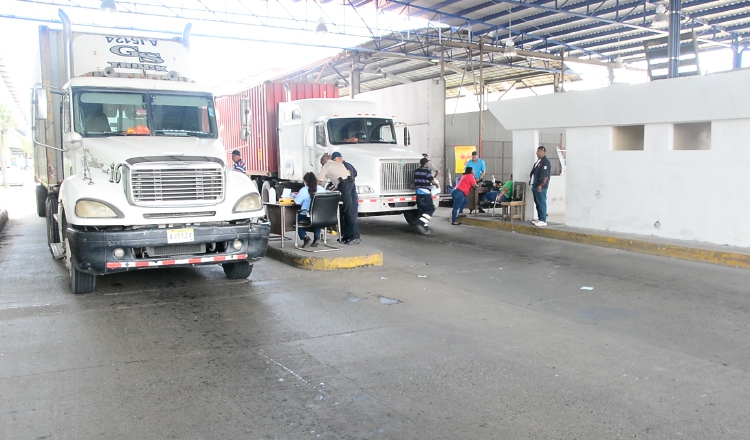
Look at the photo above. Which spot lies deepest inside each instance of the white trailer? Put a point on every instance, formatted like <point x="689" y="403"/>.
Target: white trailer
<point x="131" y="172"/>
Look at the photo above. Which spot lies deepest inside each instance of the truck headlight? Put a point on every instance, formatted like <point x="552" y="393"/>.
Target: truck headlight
<point x="364" y="189"/>
<point x="250" y="202"/>
<point x="87" y="208"/>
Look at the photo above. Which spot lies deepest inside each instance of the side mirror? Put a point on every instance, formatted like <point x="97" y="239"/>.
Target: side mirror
<point x="72" y="141"/>
<point x="407" y="137"/>
<point x="245" y="119"/>
<point x="310" y="136"/>
<point x="40" y="104"/>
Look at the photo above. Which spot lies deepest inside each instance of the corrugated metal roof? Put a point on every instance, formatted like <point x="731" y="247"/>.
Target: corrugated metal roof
<point x="595" y="31"/>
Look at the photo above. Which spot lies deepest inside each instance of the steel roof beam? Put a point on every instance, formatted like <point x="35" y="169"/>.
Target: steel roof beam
<point x="592" y="26"/>
<point x="584" y="16"/>
<point x="471" y="22"/>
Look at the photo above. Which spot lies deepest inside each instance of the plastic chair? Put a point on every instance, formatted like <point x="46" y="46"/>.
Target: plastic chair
<point x="323" y="213"/>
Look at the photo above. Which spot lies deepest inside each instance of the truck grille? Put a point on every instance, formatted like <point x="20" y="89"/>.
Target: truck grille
<point x="397" y="176"/>
<point x="170" y="184"/>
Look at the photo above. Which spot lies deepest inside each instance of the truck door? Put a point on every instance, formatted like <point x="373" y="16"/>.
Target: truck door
<point x="319" y="145"/>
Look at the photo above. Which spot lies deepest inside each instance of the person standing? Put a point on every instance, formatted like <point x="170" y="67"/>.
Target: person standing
<point x="303" y="198"/>
<point x="335" y="171"/>
<point x="477" y="165"/>
<point x="433" y="169"/>
<point x="355" y="197"/>
<point x="540" y="175"/>
<point x="460" y="194"/>
<point x="423" y="181"/>
<point x="239" y="164"/>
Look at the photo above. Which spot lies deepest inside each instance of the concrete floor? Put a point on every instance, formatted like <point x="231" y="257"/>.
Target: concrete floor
<point x="465" y="334"/>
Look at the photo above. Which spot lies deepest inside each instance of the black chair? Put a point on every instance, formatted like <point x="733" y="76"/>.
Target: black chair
<point x="323" y="213"/>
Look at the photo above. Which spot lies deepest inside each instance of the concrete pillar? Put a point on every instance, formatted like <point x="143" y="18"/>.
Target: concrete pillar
<point x="354" y="77"/>
<point x="525" y="143"/>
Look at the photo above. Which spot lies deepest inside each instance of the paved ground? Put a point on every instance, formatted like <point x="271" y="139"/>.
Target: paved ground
<point x="466" y="334"/>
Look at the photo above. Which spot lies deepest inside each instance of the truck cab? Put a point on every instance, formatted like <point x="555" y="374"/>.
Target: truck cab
<point x="132" y="173"/>
<point x="310" y="128"/>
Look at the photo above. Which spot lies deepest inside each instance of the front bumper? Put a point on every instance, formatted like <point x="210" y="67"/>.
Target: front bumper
<point x="94" y="250"/>
<point x="394" y="204"/>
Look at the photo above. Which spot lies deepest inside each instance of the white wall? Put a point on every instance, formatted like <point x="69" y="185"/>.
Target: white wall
<point x="696" y="195"/>
<point x="421" y="106"/>
<point x="690" y="195"/>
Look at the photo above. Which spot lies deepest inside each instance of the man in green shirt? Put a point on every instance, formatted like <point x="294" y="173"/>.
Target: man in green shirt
<point x="504" y="194"/>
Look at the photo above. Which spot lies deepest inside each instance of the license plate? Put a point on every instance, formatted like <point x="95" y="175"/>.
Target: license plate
<point x="180" y="235"/>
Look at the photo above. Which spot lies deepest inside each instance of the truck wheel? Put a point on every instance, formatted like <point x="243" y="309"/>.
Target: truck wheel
<point x="80" y="282"/>
<point x="237" y="271"/>
<point x="41" y="201"/>
<point x="53" y="233"/>
<point x="412" y="217"/>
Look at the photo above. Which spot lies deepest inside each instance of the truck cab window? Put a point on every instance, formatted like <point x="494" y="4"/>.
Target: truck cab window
<point x="361" y="131"/>
<point x="320" y="134"/>
<point x="182" y="115"/>
<point x="107" y="113"/>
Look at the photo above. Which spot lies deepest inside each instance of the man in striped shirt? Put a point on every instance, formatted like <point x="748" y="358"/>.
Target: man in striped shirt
<point x="239" y="164"/>
<point x="423" y="181"/>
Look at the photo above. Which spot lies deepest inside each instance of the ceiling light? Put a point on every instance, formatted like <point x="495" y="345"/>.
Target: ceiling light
<point x="661" y="17"/>
<point x="108" y="6"/>
<point x="321" y="27"/>
<point x="510" y="47"/>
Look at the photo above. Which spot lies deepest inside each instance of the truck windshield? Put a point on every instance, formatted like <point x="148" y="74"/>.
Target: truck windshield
<point x="361" y="131"/>
<point x="99" y="113"/>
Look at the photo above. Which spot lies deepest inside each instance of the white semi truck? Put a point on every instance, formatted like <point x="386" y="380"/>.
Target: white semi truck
<point x="283" y="138"/>
<point x="131" y="172"/>
<point x="309" y="128"/>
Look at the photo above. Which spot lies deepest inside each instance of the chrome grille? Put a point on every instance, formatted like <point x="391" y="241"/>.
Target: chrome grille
<point x="397" y="176"/>
<point x="170" y="184"/>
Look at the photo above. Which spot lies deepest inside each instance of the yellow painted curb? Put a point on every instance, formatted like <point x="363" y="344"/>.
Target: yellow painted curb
<point x="733" y="259"/>
<point x="326" y="260"/>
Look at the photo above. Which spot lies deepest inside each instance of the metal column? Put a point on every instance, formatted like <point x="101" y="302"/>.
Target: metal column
<point x="673" y="42"/>
<point x="737" y="54"/>
<point x="481" y="98"/>
<point x="354" y="77"/>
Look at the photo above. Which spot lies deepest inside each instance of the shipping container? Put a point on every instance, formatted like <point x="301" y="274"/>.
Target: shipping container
<point x="261" y="151"/>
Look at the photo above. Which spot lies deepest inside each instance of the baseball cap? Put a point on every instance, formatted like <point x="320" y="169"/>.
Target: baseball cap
<point x="335" y="155"/>
<point x="237" y="152"/>
<point x="425" y="154"/>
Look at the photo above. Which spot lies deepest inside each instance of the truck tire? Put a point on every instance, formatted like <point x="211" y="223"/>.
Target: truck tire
<point x="80" y="282"/>
<point x="41" y="201"/>
<point x="412" y="217"/>
<point x="53" y="232"/>
<point x="237" y="271"/>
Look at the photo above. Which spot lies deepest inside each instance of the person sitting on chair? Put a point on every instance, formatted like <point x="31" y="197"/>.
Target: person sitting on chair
<point x="504" y="194"/>
<point x="304" y="196"/>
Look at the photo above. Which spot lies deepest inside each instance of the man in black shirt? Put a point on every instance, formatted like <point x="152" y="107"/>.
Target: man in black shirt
<point x="539" y="182"/>
<point x="350" y="199"/>
<point x="423" y="181"/>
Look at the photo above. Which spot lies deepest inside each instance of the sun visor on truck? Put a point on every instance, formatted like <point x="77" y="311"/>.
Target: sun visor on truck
<point x="107" y="55"/>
